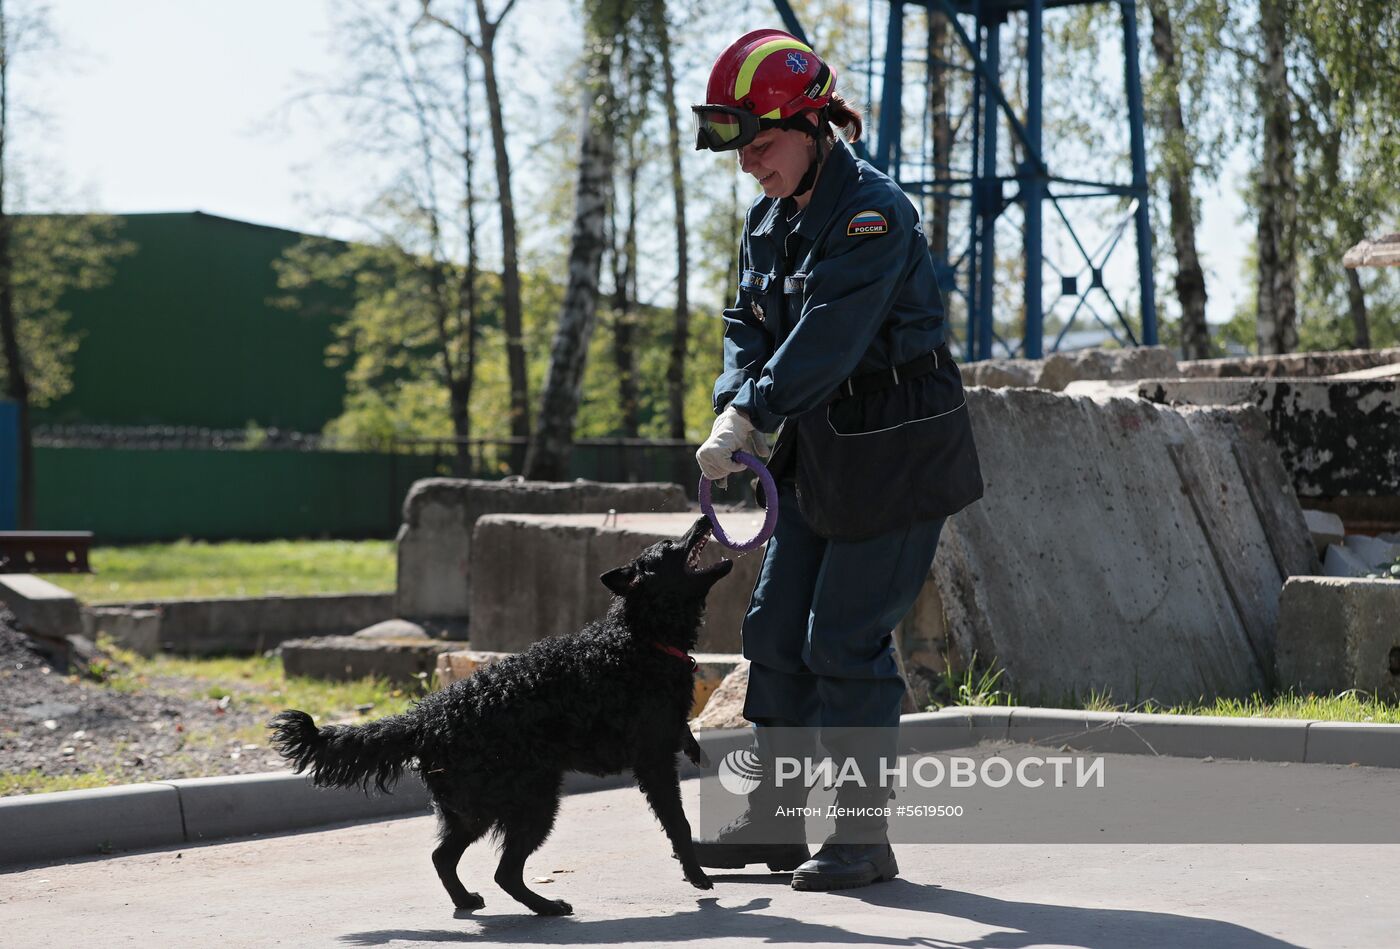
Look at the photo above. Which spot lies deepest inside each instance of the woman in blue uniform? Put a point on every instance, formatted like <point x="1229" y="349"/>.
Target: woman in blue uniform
<point x="836" y="341"/>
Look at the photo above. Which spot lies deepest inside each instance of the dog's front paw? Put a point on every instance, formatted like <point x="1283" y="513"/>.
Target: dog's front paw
<point x="699" y="879"/>
<point x="471" y="901"/>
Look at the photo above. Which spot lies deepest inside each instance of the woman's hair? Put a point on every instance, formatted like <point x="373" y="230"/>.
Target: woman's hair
<point x="844" y="116"/>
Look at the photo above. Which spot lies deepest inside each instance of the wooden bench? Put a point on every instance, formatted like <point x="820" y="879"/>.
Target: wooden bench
<point x="45" y="551"/>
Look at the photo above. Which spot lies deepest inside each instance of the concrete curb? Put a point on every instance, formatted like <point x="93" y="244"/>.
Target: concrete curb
<point x="42" y="828"/>
<point x="1304" y="741"/>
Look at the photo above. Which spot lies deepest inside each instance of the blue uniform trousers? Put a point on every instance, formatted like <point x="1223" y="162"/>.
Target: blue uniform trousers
<point x="818" y="633"/>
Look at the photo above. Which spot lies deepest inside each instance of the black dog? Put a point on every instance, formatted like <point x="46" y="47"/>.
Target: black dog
<point x="493" y="748"/>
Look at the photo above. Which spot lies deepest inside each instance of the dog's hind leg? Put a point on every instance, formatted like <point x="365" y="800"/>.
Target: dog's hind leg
<point x="529" y="822"/>
<point x="659" y="783"/>
<point x="456" y="834"/>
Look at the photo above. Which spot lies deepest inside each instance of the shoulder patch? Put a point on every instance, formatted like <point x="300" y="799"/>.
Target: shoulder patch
<point x="867" y="223"/>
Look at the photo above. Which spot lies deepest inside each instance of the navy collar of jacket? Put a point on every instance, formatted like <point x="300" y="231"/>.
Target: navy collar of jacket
<point x="838" y="168"/>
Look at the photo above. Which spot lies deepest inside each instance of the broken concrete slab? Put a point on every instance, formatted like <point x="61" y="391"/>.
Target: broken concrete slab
<point x="1325" y="527"/>
<point x="1341" y="562"/>
<point x="1302" y="365"/>
<point x="725" y="708"/>
<point x="1058" y="370"/>
<point x="243" y="625"/>
<point x="136" y="630"/>
<point x="455" y="666"/>
<point x="439" y="514"/>
<point x="1335" y="438"/>
<point x="1372" y="550"/>
<point x="1389" y="371"/>
<point x="1337" y="634"/>
<point x="710" y="670"/>
<point x="536" y="575"/>
<point x="1383" y="251"/>
<point x="41" y="607"/>
<point x="342" y="658"/>
<point x="1127" y="548"/>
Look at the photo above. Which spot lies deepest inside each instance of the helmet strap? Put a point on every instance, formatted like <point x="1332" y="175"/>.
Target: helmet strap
<point x="810" y="178"/>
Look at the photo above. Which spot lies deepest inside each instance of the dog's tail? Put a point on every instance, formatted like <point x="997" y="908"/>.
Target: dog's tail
<point x="347" y="756"/>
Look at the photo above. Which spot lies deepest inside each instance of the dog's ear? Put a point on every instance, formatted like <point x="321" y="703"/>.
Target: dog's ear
<point x="623" y="580"/>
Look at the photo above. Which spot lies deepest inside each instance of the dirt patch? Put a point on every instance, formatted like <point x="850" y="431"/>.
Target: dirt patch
<point x="61" y="725"/>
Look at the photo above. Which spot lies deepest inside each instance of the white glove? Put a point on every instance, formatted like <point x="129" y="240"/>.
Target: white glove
<point x="732" y="432"/>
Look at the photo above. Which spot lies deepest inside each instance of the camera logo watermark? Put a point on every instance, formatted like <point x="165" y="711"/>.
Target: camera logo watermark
<point x="740" y="772"/>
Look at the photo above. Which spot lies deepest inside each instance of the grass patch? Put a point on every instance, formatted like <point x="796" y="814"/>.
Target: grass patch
<point x="259" y="682"/>
<point x="34" y="781"/>
<point x="979" y="686"/>
<point x="191" y="569"/>
<point x="1346" y="707"/>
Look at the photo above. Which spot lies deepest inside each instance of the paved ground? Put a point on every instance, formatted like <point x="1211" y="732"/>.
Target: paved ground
<point x="373" y="885"/>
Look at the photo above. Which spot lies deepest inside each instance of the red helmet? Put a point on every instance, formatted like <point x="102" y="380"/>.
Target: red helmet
<point x="765" y="79"/>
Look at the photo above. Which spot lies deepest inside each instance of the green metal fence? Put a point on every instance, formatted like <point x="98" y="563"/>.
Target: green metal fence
<point x="143" y="494"/>
<point x="134" y="495"/>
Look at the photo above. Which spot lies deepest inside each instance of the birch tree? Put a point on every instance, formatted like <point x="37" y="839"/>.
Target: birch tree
<point x="482" y="43"/>
<point x="552" y="441"/>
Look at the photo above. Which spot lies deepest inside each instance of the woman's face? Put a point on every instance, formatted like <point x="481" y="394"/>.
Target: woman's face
<point x="777" y="158"/>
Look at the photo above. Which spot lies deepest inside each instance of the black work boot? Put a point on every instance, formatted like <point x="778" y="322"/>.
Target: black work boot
<point x="755" y="837"/>
<point x="858" y="853"/>
<point x="771" y="830"/>
<point x="839" y="866"/>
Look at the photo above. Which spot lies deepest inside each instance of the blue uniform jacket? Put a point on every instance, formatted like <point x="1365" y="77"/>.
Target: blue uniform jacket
<point x="850" y="290"/>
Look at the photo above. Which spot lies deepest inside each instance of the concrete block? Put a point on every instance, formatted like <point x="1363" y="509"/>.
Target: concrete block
<point x="247" y="804"/>
<point x="1137" y="362"/>
<point x="537" y="575"/>
<point x="40" y="828"/>
<point x="1101" y="390"/>
<point x="1372" y="550"/>
<point x="435" y="540"/>
<point x="1342" y="562"/>
<point x="1337" y="634"/>
<point x="725" y="708"/>
<point x="136" y="630"/>
<point x="455" y="666"/>
<point x="1058" y="370"/>
<point x="1292" y="364"/>
<point x="1336" y="438"/>
<point x="342" y="658"/>
<point x="1325" y="527"/>
<point x="1361" y="743"/>
<point x="41" y="607"/>
<point x="711" y="669"/>
<point x="254" y="624"/>
<point x="1376" y="372"/>
<point x="1002" y="373"/>
<point x="1125" y="548"/>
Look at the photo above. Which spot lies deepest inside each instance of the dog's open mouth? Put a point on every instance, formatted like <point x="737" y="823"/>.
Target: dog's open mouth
<point x="692" y="558"/>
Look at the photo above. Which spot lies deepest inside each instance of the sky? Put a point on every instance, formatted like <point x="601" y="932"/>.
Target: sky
<point x="181" y="105"/>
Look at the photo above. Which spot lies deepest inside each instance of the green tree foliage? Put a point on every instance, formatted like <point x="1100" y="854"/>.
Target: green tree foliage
<point x="53" y="256"/>
<point x="1347" y="82"/>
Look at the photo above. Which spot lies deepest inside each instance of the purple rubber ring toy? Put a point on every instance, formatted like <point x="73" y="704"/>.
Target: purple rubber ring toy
<point x="770" y="494"/>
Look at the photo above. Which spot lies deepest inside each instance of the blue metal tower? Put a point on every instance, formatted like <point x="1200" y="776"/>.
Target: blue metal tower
<point x="967" y="265"/>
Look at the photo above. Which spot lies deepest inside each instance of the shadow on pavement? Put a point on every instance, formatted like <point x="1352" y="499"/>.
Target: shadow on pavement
<point x="1013" y="925"/>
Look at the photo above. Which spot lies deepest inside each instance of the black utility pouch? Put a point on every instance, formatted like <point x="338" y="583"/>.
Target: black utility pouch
<point x="868" y="464"/>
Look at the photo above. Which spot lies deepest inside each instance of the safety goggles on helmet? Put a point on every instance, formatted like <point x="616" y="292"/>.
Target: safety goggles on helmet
<point x="722" y="128"/>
